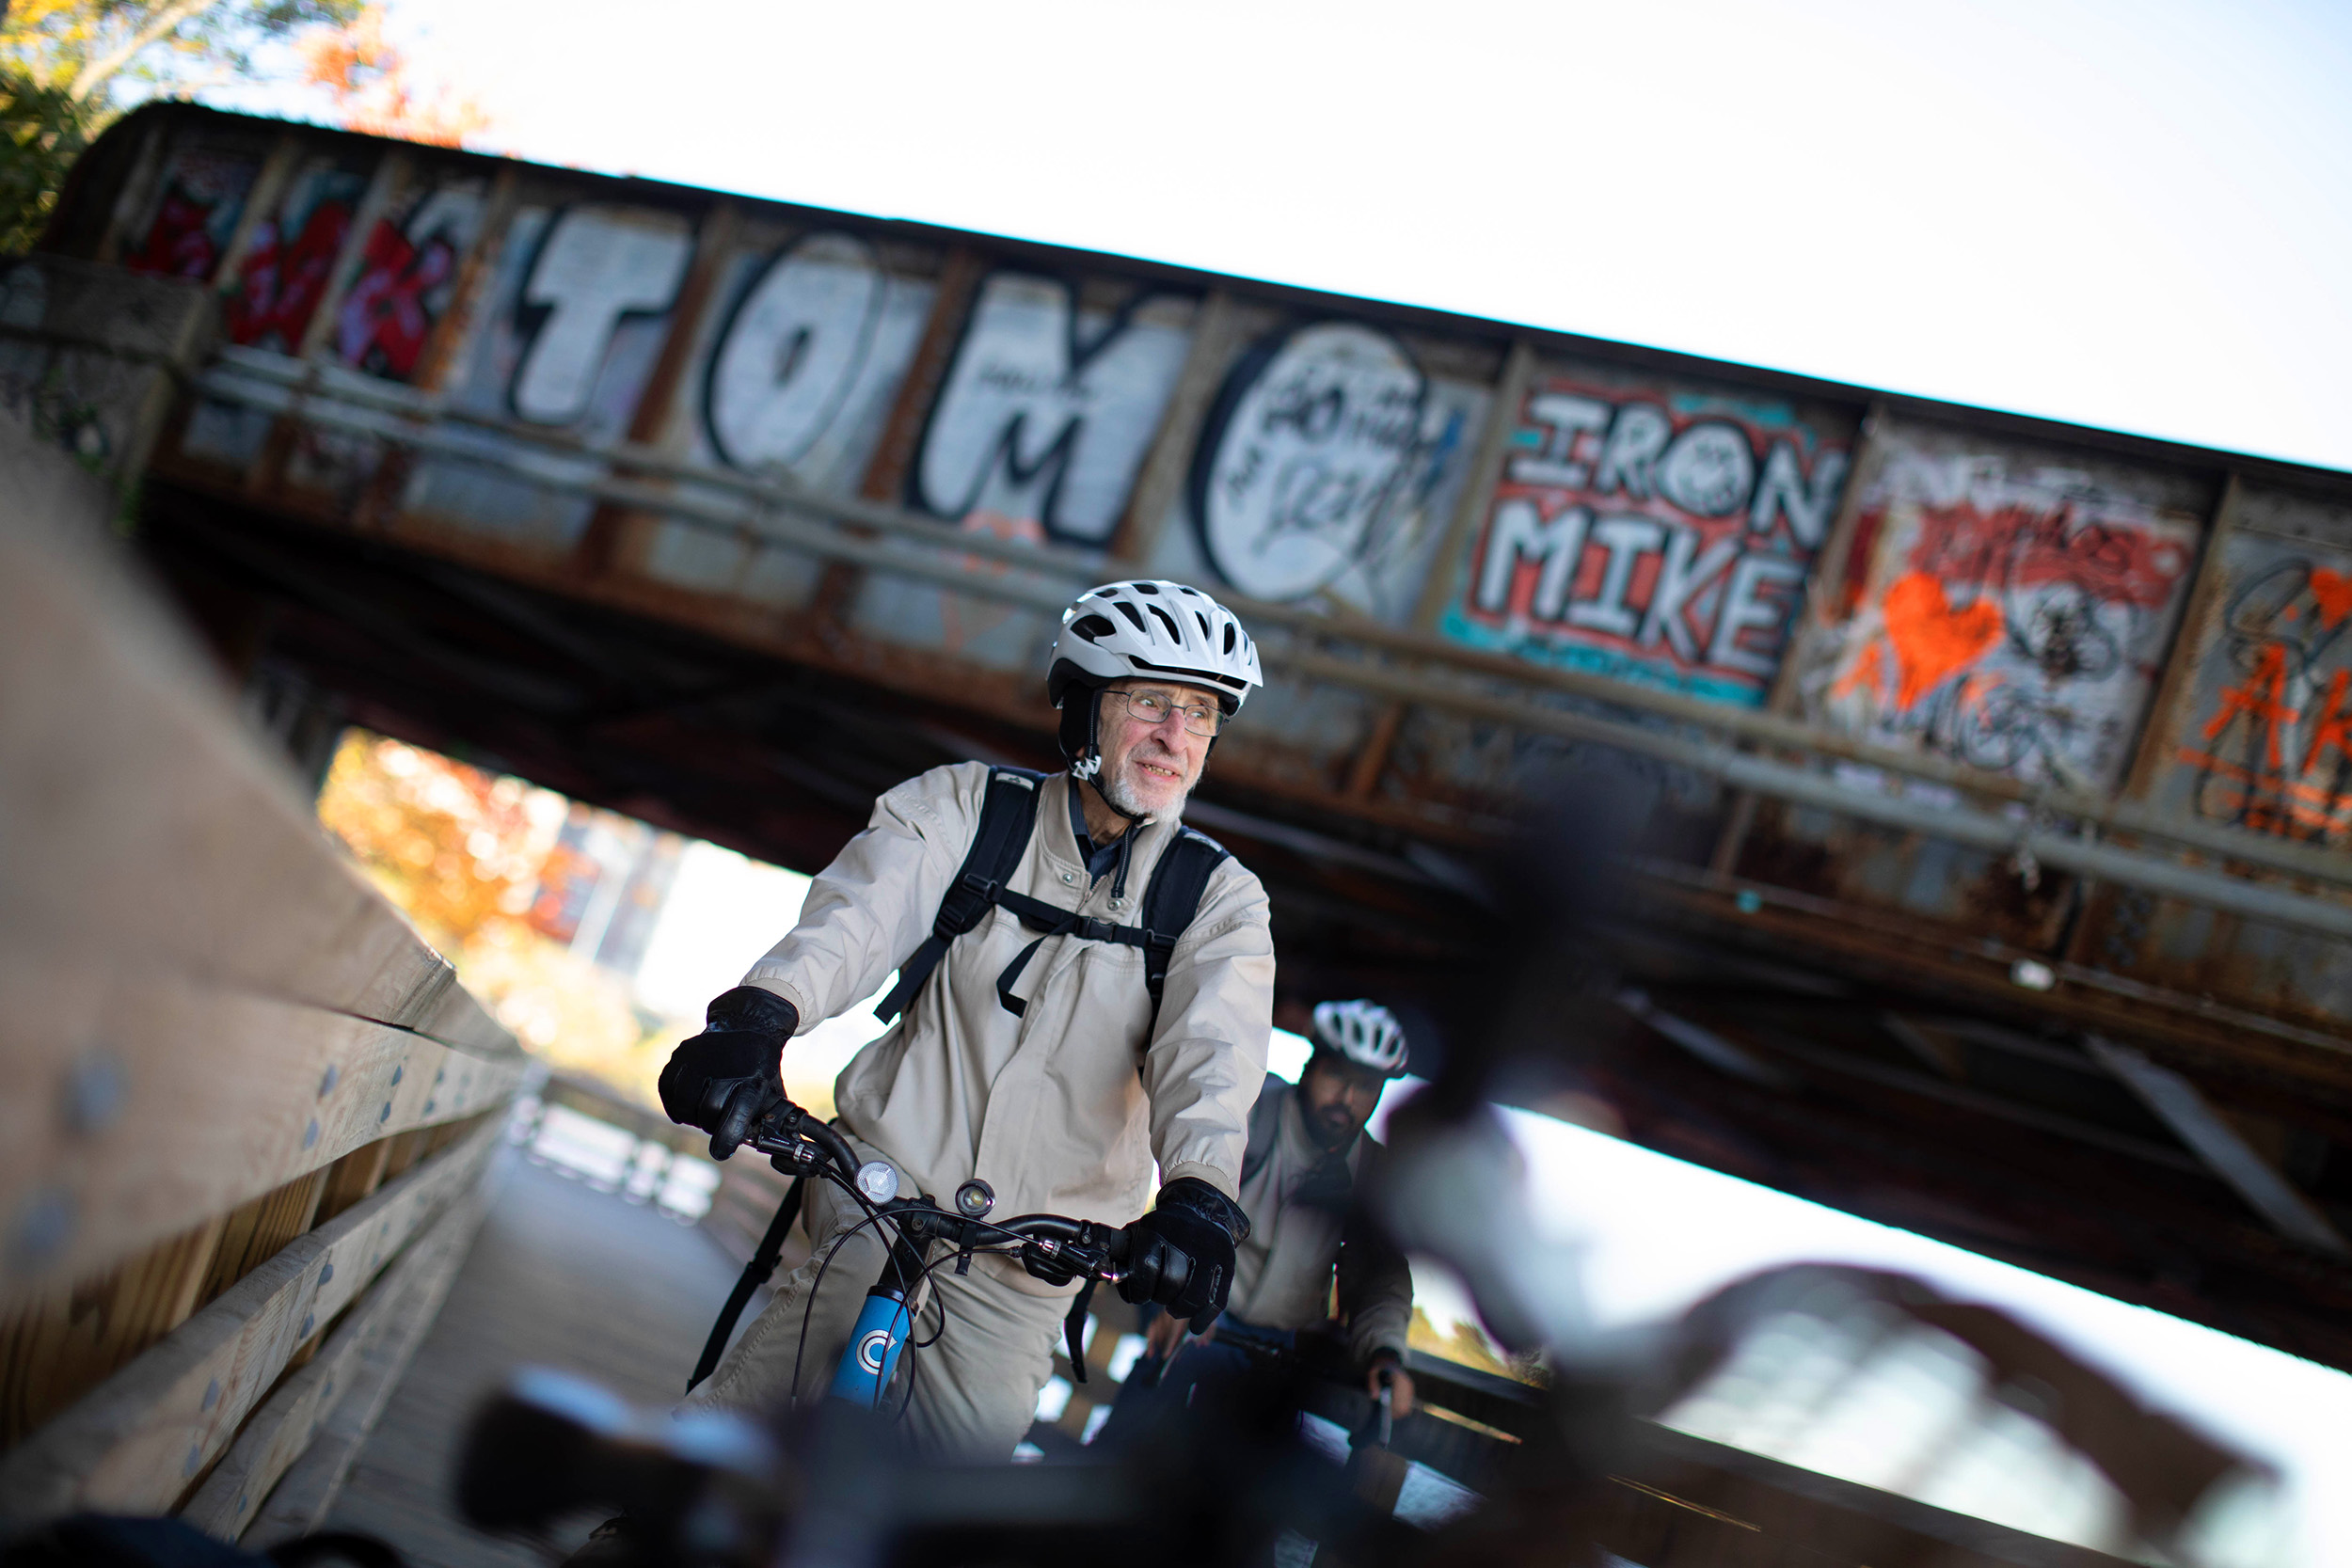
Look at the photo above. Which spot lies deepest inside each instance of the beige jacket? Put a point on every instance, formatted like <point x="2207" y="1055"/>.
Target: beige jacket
<point x="1282" y="1273"/>
<point x="1064" y="1108"/>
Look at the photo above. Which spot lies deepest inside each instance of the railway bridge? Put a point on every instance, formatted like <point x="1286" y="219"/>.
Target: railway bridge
<point x="1983" y="779"/>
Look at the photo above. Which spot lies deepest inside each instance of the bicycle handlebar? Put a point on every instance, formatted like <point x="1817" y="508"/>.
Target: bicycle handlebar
<point x="796" y="1142"/>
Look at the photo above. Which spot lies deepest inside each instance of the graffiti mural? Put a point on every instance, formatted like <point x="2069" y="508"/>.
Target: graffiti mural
<point x="790" y="351"/>
<point x="203" y="194"/>
<point x="596" y="267"/>
<point x="2267" y="742"/>
<point x="1315" y="460"/>
<point x="407" y="277"/>
<point x="291" y="259"/>
<point x="2013" y="616"/>
<point x="1653" y="534"/>
<point x="1048" y="409"/>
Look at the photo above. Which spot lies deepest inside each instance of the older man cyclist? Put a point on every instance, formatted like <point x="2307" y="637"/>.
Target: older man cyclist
<point x="1055" y="1048"/>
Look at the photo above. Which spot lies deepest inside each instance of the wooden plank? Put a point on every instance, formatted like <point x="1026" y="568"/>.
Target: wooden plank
<point x="140" y="1104"/>
<point x="255" y="1230"/>
<point x="149" y="826"/>
<point x="133" y="1444"/>
<point x="398" y="1310"/>
<point x="70" y="1338"/>
<point x="353" y="1178"/>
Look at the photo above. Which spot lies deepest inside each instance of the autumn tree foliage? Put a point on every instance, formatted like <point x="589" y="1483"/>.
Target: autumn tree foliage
<point x="375" y="90"/>
<point x="472" y="858"/>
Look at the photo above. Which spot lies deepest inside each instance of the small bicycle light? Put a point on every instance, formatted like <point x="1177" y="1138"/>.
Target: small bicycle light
<point x="975" y="1199"/>
<point x="878" y="1181"/>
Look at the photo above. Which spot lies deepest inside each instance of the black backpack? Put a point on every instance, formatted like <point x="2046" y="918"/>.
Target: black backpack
<point x="1008" y="816"/>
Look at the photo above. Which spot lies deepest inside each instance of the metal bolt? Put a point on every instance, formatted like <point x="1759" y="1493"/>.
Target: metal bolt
<point x="327" y="1083"/>
<point x="94" y="1092"/>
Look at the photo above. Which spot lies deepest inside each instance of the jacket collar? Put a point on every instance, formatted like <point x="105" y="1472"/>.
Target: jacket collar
<point x="1059" y="846"/>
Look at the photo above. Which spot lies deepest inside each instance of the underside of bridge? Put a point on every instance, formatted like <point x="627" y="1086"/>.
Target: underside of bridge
<point x="1870" y="1082"/>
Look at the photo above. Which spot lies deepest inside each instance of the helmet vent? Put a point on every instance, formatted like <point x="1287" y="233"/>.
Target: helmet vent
<point x="1095" y="628"/>
<point x="1133" y="614"/>
<point x="1229" y="636"/>
<point x="1175" y="632"/>
<point x="1151" y="588"/>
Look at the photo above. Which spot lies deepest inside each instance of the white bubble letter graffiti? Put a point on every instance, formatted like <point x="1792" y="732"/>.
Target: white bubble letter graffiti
<point x="595" y="265"/>
<point x="1761" y="594"/>
<point x="791" y="350"/>
<point x="1519" y="533"/>
<point x="1783" y="489"/>
<point x="1307" y="458"/>
<point x="1627" y="540"/>
<point x="1034" y="425"/>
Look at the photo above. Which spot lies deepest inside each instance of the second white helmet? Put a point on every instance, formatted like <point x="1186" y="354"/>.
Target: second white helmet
<point x="1152" y="627"/>
<point x="1365" y="1033"/>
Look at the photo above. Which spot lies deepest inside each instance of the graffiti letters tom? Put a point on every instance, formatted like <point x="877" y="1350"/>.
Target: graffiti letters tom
<point x="1653" y="534"/>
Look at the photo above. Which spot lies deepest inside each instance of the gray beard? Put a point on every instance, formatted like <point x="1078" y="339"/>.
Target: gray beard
<point x="1118" y="792"/>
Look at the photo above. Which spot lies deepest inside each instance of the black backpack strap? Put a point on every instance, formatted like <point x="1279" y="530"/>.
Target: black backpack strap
<point x="1008" y="816"/>
<point x="1171" y="902"/>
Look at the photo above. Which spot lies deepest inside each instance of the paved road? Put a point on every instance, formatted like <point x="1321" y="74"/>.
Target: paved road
<point x="561" y="1276"/>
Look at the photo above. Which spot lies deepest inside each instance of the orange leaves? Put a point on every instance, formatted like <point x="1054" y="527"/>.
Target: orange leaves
<point x="375" y="88"/>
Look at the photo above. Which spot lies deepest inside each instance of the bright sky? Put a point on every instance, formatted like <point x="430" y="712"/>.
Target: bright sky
<point x="2129" y="215"/>
<point x="1655" y="1234"/>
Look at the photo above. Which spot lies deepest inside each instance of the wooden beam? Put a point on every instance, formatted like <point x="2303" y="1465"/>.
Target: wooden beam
<point x="394" y="1315"/>
<point x="150" y="826"/>
<point x="142" y="1104"/>
<point x="133" y="1444"/>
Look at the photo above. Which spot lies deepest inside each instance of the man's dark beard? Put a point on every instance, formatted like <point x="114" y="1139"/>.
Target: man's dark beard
<point x="1334" y="1129"/>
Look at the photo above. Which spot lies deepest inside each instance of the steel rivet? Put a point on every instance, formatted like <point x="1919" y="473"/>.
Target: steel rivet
<point x="1070" y="878"/>
<point x="212" y="1394"/>
<point x="93" y="1093"/>
<point x="310" y="1133"/>
<point x="327" y="1083"/>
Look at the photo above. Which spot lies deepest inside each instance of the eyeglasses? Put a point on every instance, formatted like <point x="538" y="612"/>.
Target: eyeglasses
<point x="1153" y="706"/>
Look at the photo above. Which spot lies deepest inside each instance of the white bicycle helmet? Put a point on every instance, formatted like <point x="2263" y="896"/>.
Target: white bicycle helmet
<point x="1146" y="627"/>
<point x="1365" y="1033"/>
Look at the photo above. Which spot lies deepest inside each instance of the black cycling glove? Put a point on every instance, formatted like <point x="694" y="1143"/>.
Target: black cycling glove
<point x="724" y="1077"/>
<point x="1180" y="1254"/>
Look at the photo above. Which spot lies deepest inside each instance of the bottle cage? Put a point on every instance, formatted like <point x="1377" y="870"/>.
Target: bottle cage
<point x="1008" y="817"/>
